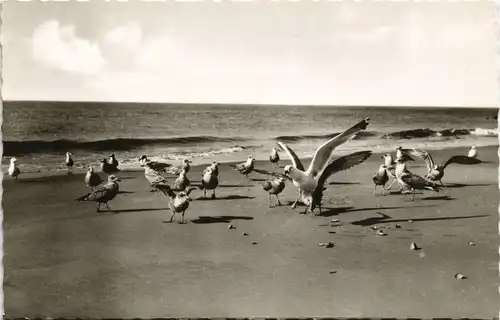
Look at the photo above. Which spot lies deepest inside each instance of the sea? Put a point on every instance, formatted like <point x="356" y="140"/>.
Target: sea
<point x="39" y="134"/>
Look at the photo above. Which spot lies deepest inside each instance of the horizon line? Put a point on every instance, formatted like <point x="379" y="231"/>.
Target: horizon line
<point x="258" y="104"/>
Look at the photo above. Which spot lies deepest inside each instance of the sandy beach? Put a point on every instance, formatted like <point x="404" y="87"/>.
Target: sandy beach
<point x="62" y="259"/>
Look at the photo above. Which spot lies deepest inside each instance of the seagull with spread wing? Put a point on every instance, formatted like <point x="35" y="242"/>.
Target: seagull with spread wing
<point x="412" y="181"/>
<point x="155" y="165"/>
<point x="307" y="181"/>
<point x="435" y="171"/>
<point x="179" y="202"/>
<point x="104" y="193"/>
<point x="186" y="166"/>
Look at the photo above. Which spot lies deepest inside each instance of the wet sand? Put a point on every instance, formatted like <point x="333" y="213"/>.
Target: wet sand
<point x="62" y="259"/>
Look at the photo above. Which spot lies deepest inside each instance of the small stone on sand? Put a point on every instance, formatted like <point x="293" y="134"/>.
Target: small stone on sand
<point x="254" y="242"/>
<point x="374" y="227"/>
<point x="381" y="233"/>
<point x="414" y="246"/>
<point x="333" y="271"/>
<point x="410" y="221"/>
<point x="231" y="226"/>
<point x="398" y="226"/>
<point x="245" y="234"/>
<point x="460" y="276"/>
<point x="472" y="244"/>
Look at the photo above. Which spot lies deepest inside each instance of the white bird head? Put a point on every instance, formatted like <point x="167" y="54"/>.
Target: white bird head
<point x="186" y="161"/>
<point x="113" y="178"/>
<point x="473" y="147"/>
<point x="307" y="199"/>
<point x="281" y="179"/>
<point x="104" y="161"/>
<point x="13" y="160"/>
<point x="69" y="154"/>
<point x="382" y="167"/>
<point x="288" y="169"/>
<point x="91" y="169"/>
<point x="112" y="155"/>
<point x="143" y="157"/>
<point x="215" y="164"/>
<point x="183" y="195"/>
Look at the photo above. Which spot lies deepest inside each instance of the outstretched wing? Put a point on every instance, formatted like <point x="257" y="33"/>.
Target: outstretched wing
<point x="324" y="152"/>
<point x="426" y="156"/>
<point x="154" y="177"/>
<point x="461" y="160"/>
<point x="415" y="180"/>
<point x="188" y="191"/>
<point x="343" y="163"/>
<point x="159" y="166"/>
<point x="274" y="174"/>
<point x="166" y="189"/>
<point x="292" y="155"/>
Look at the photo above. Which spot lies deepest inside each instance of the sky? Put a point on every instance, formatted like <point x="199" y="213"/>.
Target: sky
<point x="265" y="52"/>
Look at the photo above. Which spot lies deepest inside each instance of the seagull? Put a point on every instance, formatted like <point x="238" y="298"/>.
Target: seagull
<point x="113" y="161"/>
<point x="209" y="181"/>
<point x="177" y="170"/>
<point x="178" y="202"/>
<point x="307" y="181"/>
<point x="400" y="152"/>
<point x="436" y="172"/>
<point x="214" y="167"/>
<point x="107" y="167"/>
<point x="92" y="179"/>
<point x="104" y="193"/>
<point x="274" y="186"/>
<point x="411" y="180"/>
<point x="155" y="165"/>
<point x="69" y="162"/>
<point x="246" y="167"/>
<point x="391" y="169"/>
<point x="274" y="157"/>
<point x="182" y="182"/>
<point x="380" y="179"/>
<point x="153" y="176"/>
<point x="472" y="152"/>
<point x="339" y="164"/>
<point x="14" y="171"/>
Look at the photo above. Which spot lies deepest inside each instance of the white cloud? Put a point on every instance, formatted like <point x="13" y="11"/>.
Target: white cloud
<point x="58" y="47"/>
<point x="128" y="36"/>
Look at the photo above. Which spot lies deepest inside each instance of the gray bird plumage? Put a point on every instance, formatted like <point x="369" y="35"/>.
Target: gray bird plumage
<point x="246" y="167"/>
<point x="182" y="182"/>
<point x="176" y="170"/>
<point x="413" y="181"/>
<point x="153" y="176"/>
<point x="92" y="179"/>
<point x="155" y="165"/>
<point x="209" y="181"/>
<point x="104" y="193"/>
<point x="107" y="167"/>
<point x="380" y="179"/>
<point x="178" y="202"/>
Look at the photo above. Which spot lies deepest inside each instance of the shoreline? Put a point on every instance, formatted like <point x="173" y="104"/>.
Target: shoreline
<point x="284" y="158"/>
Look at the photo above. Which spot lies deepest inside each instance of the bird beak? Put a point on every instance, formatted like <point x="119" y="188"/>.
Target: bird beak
<point x="118" y="179"/>
<point x="189" y="198"/>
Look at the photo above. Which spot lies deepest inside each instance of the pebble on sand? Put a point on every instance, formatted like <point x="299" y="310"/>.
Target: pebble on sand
<point x="245" y="234"/>
<point x="231" y="226"/>
<point x="326" y="244"/>
<point x="398" y="226"/>
<point x="333" y="271"/>
<point x="472" y="244"/>
<point x="414" y="246"/>
<point x="460" y="276"/>
<point x="254" y="242"/>
<point x="381" y="233"/>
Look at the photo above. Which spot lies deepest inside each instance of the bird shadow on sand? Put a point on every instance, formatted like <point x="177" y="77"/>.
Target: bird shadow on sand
<point x="219" y="219"/>
<point x="339" y="210"/>
<point x="235" y="185"/>
<point x="447" y="198"/>
<point x="235" y="197"/>
<point x="118" y="211"/>
<point x="259" y="180"/>
<point x="341" y="183"/>
<point x="122" y="178"/>
<point x="462" y="185"/>
<point x="125" y="192"/>
<point x="387" y="219"/>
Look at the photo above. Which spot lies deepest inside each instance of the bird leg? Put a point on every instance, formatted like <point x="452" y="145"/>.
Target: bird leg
<point x="171" y="218"/>
<point x="389" y="188"/>
<point x="294" y="205"/>
<point x="182" y="219"/>
<point x="108" y="207"/>
<point x="375" y="190"/>
<point x="269" y="197"/>
<point x="98" y="207"/>
<point x="279" y="203"/>
<point x="204" y="193"/>
<point x="213" y="194"/>
<point x="413" y="195"/>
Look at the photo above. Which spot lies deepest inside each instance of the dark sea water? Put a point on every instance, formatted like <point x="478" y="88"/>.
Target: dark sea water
<point x="39" y="133"/>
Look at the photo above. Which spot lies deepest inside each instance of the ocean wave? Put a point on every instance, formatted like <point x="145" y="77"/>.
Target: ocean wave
<point x="425" y="133"/>
<point x="360" y="135"/>
<point x="13" y="148"/>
